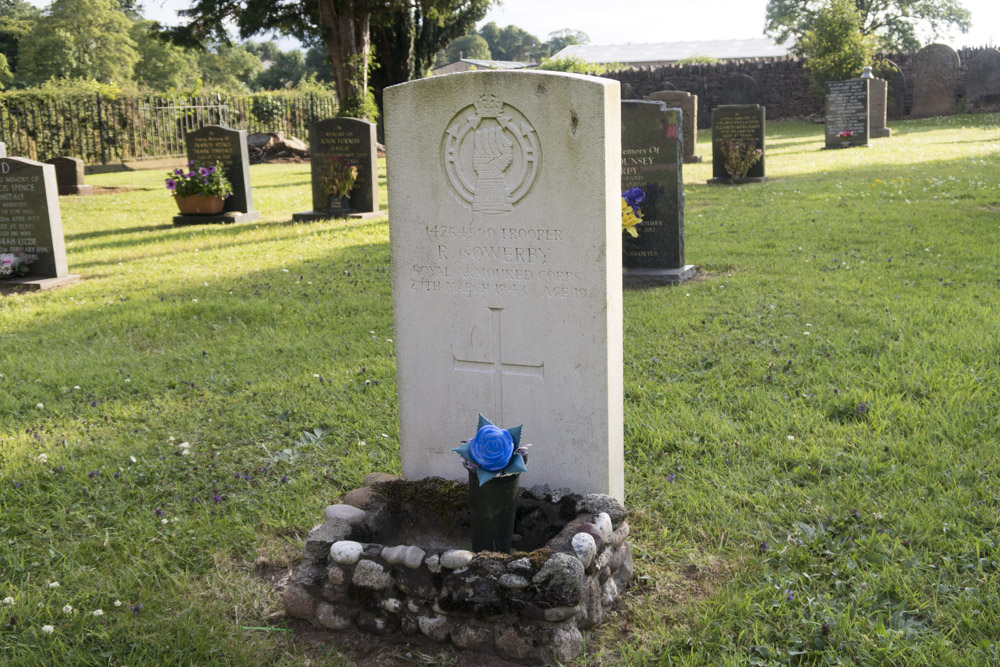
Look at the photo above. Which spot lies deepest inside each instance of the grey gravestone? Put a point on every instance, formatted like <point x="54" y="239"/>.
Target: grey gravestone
<point x="895" y="103"/>
<point x="688" y="104"/>
<point x="31" y="225"/>
<point x="739" y="122"/>
<point x="846" y="111"/>
<point x="352" y="140"/>
<point x="69" y="176"/>
<point x="878" y="93"/>
<point x="627" y="92"/>
<point x="652" y="160"/>
<point x="935" y="75"/>
<point x="215" y="144"/>
<point x="740" y="89"/>
<point x="3" y="149"/>
<point x="982" y="83"/>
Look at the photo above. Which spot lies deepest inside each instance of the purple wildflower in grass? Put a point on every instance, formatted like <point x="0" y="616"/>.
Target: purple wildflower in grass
<point x="158" y="512"/>
<point x="217" y="498"/>
<point x="171" y="184"/>
<point x="92" y="473"/>
<point x="136" y="608"/>
<point x="789" y="595"/>
<point x="117" y="474"/>
<point x="763" y="547"/>
<point x="17" y="485"/>
<point x="854" y="514"/>
<point x="863" y="408"/>
<point x="237" y="475"/>
<point x="671" y="478"/>
<point x="284" y="479"/>
<point x="58" y="469"/>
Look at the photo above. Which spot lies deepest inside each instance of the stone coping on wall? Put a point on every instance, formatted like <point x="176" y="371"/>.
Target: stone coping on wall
<point x="393" y="559"/>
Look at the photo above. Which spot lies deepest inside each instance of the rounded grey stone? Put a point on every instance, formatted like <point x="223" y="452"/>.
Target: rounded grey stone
<point x="348" y="513"/>
<point x="346" y="552"/>
<point x="298" y="602"/>
<point x="513" y="581"/>
<point x="585" y="548"/>
<point x="595" y="503"/>
<point x="522" y="565"/>
<point x="560" y="579"/>
<point x="369" y="574"/>
<point x="603" y="523"/>
<point x="433" y="563"/>
<point x="456" y="559"/>
<point x="435" y="627"/>
<point x="332" y="617"/>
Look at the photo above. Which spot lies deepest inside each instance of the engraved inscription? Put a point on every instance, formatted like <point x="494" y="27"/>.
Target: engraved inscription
<point x="496" y="367"/>
<point x="490" y="156"/>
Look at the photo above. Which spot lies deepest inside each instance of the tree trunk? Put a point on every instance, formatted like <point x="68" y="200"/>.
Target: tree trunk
<point x="345" y="27"/>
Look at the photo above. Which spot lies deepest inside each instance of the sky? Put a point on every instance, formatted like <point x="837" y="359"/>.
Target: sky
<point x="640" y="21"/>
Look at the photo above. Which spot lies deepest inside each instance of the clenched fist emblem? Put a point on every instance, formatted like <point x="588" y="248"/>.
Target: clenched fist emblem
<point x="492" y="152"/>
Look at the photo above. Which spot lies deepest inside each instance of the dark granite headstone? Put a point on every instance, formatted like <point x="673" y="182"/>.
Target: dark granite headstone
<point x="215" y="144"/>
<point x="878" y="95"/>
<point x="69" y="176"/>
<point x="628" y="92"/>
<point x="982" y="83"/>
<point x="935" y="76"/>
<point x="740" y="89"/>
<point x="351" y="140"/>
<point x="31" y="225"/>
<point x="846" y="111"/>
<point x="688" y="104"/>
<point x="739" y="122"/>
<point x="652" y="159"/>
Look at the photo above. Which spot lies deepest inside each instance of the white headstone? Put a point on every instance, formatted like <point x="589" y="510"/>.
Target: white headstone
<point x="506" y="248"/>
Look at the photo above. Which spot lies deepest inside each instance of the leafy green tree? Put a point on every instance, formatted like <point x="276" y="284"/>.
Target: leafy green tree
<point x="17" y="18"/>
<point x="467" y="46"/>
<point x="835" y="49"/>
<point x="285" y="70"/>
<point x="345" y="27"/>
<point x="163" y="66"/>
<point x="86" y="39"/>
<point x="6" y="76"/>
<point x="318" y="64"/>
<point x="512" y="43"/>
<point x="560" y="39"/>
<point x="229" y="67"/>
<point x="268" y="50"/>
<point x="893" y="22"/>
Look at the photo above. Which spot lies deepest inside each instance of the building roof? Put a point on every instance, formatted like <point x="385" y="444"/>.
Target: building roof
<point x="637" y="54"/>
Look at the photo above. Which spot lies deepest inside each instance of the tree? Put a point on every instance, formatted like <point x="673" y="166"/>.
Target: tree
<point x="163" y="66"/>
<point x="17" y="18"/>
<point x="512" y="43"/>
<point x="87" y="39"/>
<point x="229" y="67"/>
<point x="286" y="69"/>
<point x="467" y="46"/>
<point x="560" y="39"/>
<point x="344" y="27"/>
<point x="893" y="22"/>
<point x="835" y="49"/>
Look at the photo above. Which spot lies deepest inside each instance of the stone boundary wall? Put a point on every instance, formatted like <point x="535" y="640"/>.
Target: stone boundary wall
<point x="784" y="84"/>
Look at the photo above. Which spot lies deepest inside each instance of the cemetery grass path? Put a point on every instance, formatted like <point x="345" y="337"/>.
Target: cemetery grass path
<point x="811" y="429"/>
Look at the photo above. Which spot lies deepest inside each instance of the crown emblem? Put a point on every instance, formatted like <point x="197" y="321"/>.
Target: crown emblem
<point x="488" y="106"/>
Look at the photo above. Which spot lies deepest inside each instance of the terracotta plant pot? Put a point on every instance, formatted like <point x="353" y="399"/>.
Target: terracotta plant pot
<point x="199" y="204"/>
<point x="493" y="508"/>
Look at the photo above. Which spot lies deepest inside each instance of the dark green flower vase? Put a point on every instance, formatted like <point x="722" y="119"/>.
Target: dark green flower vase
<point x="493" y="506"/>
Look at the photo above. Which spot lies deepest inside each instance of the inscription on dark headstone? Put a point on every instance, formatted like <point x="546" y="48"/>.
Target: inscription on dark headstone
<point x="69" y="176"/>
<point x="31" y="224"/>
<point x="740" y="89"/>
<point x="982" y="83"/>
<point x="935" y="75"/>
<point x="226" y="147"/>
<point x="688" y="104"/>
<point x="846" y="111"/>
<point x="350" y="140"/>
<point x="652" y="159"/>
<point x="745" y="123"/>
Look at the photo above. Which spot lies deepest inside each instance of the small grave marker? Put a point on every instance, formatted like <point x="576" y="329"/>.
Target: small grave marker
<point x="935" y="77"/>
<point x="982" y="84"/>
<point x="846" y="112"/>
<point x="740" y="89"/>
<point x="652" y="160"/>
<point x="688" y="104"/>
<point x="215" y="144"/>
<point x="31" y="224"/>
<point x="69" y="176"/>
<point x="352" y="140"/>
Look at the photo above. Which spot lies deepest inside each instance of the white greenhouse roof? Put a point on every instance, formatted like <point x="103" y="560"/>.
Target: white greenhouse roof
<point x="722" y="49"/>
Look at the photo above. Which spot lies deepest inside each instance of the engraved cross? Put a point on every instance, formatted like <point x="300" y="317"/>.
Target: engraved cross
<point x="497" y="368"/>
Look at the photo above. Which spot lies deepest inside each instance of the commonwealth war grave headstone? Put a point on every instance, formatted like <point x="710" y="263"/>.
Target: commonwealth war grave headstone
<point x="31" y="224"/>
<point x="982" y="83"/>
<point x="745" y="124"/>
<point x="935" y="76"/>
<point x="740" y="89"/>
<point x="688" y="104"/>
<point x="350" y="140"/>
<point x="846" y="112"/>
<point x="3" y="149"/>
<point x="651" y="160"/>
<point x="69" y="176"/>
<point x="506" y="254"/>
<point x="215" y="144"/>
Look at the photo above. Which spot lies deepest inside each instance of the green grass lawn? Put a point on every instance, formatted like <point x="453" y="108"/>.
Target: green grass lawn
<point x="811" y="429"/>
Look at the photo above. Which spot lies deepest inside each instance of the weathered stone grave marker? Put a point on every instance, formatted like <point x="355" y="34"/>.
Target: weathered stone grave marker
<point x="31" y="224"/>
<point x="878" y="103"/>
<point x="935" y="76"/>
<point x="506" y="247"/>
<point x="982" y="83"/>
<point x="69" y="176"/>
<point x="688" y="104"/>
<point x="3" y="149"/>
<point x="740" y="89"/>
<point x="215" y="144"/>
<point x="651" y="160"/>
<point x="846" y="111"/>
<point x="744" y="123"/>
<point x="352" y="140"/>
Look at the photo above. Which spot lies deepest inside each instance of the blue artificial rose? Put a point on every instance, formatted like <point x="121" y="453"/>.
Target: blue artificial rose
<point x="492" y="448"/>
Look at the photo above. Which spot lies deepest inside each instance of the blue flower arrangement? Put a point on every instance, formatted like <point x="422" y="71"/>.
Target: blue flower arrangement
<point x="494" y="451"/>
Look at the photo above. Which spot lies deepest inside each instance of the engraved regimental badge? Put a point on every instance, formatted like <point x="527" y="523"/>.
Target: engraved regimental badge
<point x="491" y="155"/>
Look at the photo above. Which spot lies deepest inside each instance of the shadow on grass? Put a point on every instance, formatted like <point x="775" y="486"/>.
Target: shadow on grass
<point x="82" y="236"/>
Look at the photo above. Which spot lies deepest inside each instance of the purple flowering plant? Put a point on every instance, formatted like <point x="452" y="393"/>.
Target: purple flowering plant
<point x="199" y="179"/>
<point x="494" y="451"/>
